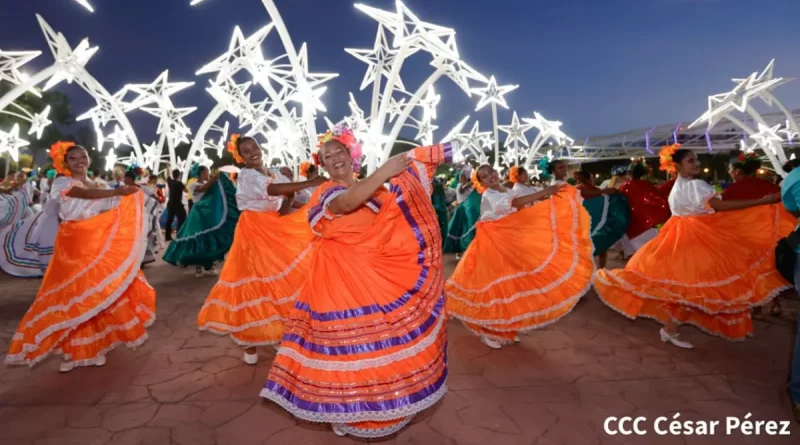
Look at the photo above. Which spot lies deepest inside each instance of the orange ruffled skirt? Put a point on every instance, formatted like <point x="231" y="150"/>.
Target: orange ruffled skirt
<point x="524" y="271"/>
<point x="704" y="270"/>
<point x="263" y="272"/>
<point x="93" y="297"/>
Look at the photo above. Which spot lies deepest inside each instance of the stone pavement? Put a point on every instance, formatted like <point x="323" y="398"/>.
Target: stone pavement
<point x="184" y="387"/>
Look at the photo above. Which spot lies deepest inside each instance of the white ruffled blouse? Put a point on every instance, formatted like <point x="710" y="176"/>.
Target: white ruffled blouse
<point x="75" y="209"/>
<point x="251" y="191"/>
<point x="690" y="197"/>
<point x="496" y="205"/>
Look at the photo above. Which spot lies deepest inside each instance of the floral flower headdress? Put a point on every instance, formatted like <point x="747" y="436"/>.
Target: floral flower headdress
<point x="619" y="170"/>
<point x="135" y="170"/>
<point x="58" y="153"/>
<point x="665" y="155"/>
<point x="51" y="174"/>
<point x="194" y="172"/>
<point x="744" y="158"/>
<point x="513" y="174"/>
<point x="476" y="182"/>
<point x="305" y="167"/>
<point x="233" y="148"/>
<point x="344" y="135"/>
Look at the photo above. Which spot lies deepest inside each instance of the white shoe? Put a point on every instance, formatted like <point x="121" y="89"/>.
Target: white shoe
<point x="101" y="361"/>
<point x="338" y="430"/>
<point x="516" y="339"/>
<point x="66" y="367"/>
<point x="666" y="337"/>
<point x="210" y="272"/>
<point x="494" y="344"/>
<point x="250" y="359"/>
<point x="198" y="272"/>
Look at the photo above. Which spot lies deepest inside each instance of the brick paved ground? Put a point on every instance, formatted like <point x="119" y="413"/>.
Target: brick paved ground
<point x="184" y="387"/>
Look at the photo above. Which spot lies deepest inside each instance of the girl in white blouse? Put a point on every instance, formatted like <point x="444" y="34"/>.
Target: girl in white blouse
<point x="710" y="264"/>
<point x="269" y="258"/>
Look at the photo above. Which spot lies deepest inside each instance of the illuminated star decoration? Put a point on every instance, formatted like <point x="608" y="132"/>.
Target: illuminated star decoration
<point x="737" y="99"/>
<point x="243" y="53"/>
<point x="493" y="94"/>
<point x="118" y="137"/>
<point x="111" y="159"/>
<point x="39" y="122"/>
<point x="308" y="93"/>
<point x="548" y="130"/>
<point x="11" y="143"/>
<point x="12" y="61"/>
<point x="103" y="113"/>
<point x="158" y="92"/>
<point x="85" y="4"/>
<point x="759" y="85"/>
<point x="516" y="132"/>
<point x="69" y="62"/>
<point x="768" y="138"/>
<point x="535" y="171"/>
<point x="171" y="123"/>
<point x="381" y="55"/>
<point x="789" y="133"/>
<point x="475" y="141"/>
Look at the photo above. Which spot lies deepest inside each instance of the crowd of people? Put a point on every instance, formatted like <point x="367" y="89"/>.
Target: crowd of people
<point x="362" y="345"/>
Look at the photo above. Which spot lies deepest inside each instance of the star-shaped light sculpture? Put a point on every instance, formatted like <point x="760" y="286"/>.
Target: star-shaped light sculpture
<point x="11" y="143"/>
<point x="411" y="32"/>
<point x="171" y="123"/>
<point x="381" y="55"/>
<point x="85" y="3"/>
<point x="118" y="137"/>
<point x="111" y="159"/>
<point x="459" y="72"/>
<point x="68" y="62"/>
<point x="158" y="92"/>
<point x="309" y="92"/>
<point x="475" y="141"/>
<point x="788" y="132"/>
<point x="493" y="94"/>
<point x="516" y="132"/>
<point x="767" y="138"/>
<point x="103" y="112"/>
<point x="232" y="96"/>
<point x="429" y="103"/>
<point x="12" y="61"/>
<point x="759" y="85"/>
<point x="535" y="172"/>
<point x="548" y="130"/>
<point x="243" y="53"/>
<point x="39" y="122"/>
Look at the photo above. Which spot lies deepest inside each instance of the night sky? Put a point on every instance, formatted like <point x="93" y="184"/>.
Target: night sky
<point x="600" y="66"/>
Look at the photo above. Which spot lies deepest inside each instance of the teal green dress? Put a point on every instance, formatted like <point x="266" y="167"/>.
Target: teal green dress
<point x="207" y="234"/>
<point x="439" y="201"/>
<point x="610" y="217"/>
<point x="461" y="229"/>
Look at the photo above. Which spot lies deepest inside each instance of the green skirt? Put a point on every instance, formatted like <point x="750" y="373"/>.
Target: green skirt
<point x="461" y="229"/>
<point x="440" y="205"/>
<point x="610" y="216"/>
<point x="207" y="234"/>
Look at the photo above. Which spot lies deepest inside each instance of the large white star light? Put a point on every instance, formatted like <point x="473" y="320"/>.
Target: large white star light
<point x="111" y="159"/>
<point x="759" y="85"/>
<point x="308" y="93"/>
<point x="171" y="123"/>
<point x="459" y="72"/>
<point x="767" y="138"/>
<point x="516" y="132"/>
<point x="85" y="3"/>
<point x="158" y="92"/>
<point x="475" y="141"/>
<point x="103" y="113"/>
<point x="39" y="122"/>
<point x="410" y="32"/>
<point x="493" y="94"/>
<point x="118" y="137"/>
<point x="548" y="130"/>
<point x="68" y="62"/>
<point x="381" y="56"/>
<point x="11" y="143"/>
<point x="232" y="96"/>
<point x="429" y="103"/>
<point x="12" y="61"/>
<point x="243" y="53"/>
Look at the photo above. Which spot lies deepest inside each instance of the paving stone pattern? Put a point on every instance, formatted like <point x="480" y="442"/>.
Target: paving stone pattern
<point x="556" y="387"/>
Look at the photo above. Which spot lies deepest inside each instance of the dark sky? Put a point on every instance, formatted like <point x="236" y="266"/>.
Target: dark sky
<point x="600" y="66"/>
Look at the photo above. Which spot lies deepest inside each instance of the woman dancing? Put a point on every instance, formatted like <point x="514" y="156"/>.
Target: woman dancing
<point x="529" y="264"/>
<point x="94" y="296"/>
<point x="518" y="176"/>
<point x="461" y="228"/>
<point x="743" y="168"/>
<point x="207" y="234"/>
<point x="269" y="259"/>
<point x="649" y="208"/>
<point x="364" y="347"/>
<point x="709" y="265"/>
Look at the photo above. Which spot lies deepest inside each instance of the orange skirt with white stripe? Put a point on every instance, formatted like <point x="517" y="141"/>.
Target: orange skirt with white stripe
<point x="524" y="271"/>
<point x="268" y="262"/>
<point x="704" y="270"/>
<point x="93" y="297"/>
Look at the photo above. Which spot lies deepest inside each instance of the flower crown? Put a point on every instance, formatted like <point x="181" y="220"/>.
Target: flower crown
<point x="476" y="182"/>
<point x="58" y="153"/>
<point x="233" y="148"/>
<point x="665" y="155"/>
<point x="135" y="170"/>
<point x="51" y="174"/>
<point x="305" y="167"/>
<point x="345" y="136"/>
<point x="513" y="174"/>
<point x="744" y="158"/>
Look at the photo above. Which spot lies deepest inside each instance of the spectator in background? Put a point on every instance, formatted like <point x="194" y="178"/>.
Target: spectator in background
<point x="175" y="203"/>
<point x="790" y="196"/>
